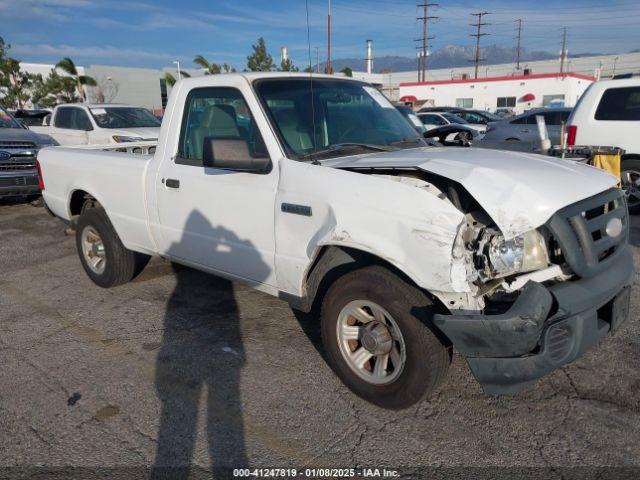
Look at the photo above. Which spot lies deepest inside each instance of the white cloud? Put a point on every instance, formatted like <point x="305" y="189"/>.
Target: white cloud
<point x="91" y="52"/>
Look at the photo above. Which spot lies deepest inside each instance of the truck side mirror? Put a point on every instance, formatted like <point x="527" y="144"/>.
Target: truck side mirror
<point x="231" y="153"/>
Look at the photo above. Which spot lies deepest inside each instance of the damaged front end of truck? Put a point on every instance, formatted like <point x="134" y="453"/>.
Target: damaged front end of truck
<point x="532" y="297"/>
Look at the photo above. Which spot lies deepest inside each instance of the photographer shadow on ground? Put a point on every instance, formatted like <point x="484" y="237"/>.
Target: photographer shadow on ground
<point x="201" y="357"/>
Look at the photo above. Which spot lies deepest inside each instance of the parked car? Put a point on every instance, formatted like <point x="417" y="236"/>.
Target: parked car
<point x="406" y="250"/>
<point x="18" y="149"/>
<point x="438" y="119"/>
<point x="505" y="112"/>
<point x="476" y="117"/>
<point x="608" y="113"/>
<point x="524" y="128"/>
<point x="435" y="109"/>
<point x="99" y="124"/>
<point x="32" y="118"/>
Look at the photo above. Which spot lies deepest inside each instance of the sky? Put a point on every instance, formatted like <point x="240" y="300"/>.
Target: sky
<point x="147" y="33"/>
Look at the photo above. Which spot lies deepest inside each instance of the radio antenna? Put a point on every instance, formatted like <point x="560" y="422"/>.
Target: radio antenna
<point x="313" y="108"/>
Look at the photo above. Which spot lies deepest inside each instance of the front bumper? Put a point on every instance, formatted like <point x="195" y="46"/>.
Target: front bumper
<point x="19" y="183"/>
<point x="546" y="328"/>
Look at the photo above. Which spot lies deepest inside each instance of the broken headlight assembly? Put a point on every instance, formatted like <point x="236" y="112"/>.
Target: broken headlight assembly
<point x="497" y="257"/>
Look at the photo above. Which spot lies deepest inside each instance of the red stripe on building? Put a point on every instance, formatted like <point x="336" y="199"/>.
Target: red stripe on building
<point x="500" y="79"/>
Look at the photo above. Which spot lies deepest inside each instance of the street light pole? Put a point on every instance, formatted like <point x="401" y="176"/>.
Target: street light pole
<point x="177" y="63"/>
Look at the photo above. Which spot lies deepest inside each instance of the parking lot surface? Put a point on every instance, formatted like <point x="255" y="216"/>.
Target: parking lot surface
<point x="180" y="367"/>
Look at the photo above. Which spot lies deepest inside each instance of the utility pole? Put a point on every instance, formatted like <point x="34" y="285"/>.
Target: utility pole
<point x="519" y="43"/>
<point x="563" y="52"/>
<point x="478" y="35"/>
<point x="423" y="48"/>
<point x="328" y="66"/>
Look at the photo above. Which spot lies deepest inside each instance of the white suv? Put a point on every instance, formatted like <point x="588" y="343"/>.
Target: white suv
<point x="608" y="114"/>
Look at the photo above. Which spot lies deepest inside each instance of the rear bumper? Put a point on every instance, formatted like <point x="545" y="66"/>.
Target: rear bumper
<point x="545" y="328"/>
<point x="18" y="183"/>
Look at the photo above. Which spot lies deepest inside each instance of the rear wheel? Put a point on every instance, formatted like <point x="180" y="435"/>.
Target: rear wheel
<point x="103" y="256"/>
<point x="377" y="332"/>
<point x="630" y="179"/>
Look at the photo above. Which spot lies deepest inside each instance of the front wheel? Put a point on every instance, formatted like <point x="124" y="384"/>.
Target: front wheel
<point x="379" y="339"/>
<point x="103" y="256"/>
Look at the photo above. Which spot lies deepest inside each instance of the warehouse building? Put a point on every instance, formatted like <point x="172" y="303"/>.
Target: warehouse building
<point x="516" y="93"/>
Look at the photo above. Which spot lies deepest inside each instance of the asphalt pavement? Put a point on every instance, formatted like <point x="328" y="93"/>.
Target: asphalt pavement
<point x="180" y="368"/>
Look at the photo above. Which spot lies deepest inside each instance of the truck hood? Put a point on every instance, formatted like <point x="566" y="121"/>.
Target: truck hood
<point x="23" y="135"/>
<point x="146" y="133"/>
<point x="520" y="191"/>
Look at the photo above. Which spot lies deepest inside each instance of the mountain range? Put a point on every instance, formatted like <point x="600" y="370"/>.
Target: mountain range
<point x="449" y="56"/>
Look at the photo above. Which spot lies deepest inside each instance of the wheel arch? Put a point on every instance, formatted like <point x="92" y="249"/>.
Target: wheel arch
<point x="334" y="261"/>
<point x="77" y="199"/>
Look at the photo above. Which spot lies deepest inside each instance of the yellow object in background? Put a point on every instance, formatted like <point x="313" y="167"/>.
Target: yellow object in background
<point x="608" y="162"/>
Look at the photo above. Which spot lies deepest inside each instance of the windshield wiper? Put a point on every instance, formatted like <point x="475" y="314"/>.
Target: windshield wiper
<point x="339" y="147"/>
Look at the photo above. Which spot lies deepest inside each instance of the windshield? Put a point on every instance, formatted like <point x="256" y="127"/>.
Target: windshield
<point x="454" y="118"/>
<point x="341" y="118"/>
<point x="124" y="117"/>
<point x="7" y="121"/>
<point x="492" y="117"/>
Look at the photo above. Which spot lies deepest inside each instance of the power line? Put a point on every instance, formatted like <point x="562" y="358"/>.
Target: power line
<point x="478" y="35"/>
<point x="422" y="57"/>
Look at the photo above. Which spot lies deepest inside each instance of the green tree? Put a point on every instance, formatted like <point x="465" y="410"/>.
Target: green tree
<point x="209" y="68"/>
<point x="286" y="65"/>
<point x="260" y="60"/>
<point x="67" y="66"/>
<point x="171" y="80"/>
<point x="48" y="92"/>
<point x="14" y="83"/>
<point x="347" y="71"/>
<point x="227" y="68"/>
<point x="309" y="69"/>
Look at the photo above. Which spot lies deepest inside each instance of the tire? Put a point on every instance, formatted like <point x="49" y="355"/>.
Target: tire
<point x="631" y="165"/>
<point x="406" y="309"/>
<point x="118" y="265"/>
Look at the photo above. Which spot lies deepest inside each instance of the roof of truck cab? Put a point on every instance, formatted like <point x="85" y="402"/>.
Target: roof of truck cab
<point x="251" y="76"/>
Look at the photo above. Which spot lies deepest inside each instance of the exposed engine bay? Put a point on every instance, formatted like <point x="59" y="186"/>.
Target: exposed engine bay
<point x="495" y="268"/>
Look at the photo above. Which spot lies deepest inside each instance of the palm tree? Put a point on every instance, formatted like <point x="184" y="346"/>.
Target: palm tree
<point x="67" y="66"/>
<point x="209" y="68"/>
<point x="171" y="80"/>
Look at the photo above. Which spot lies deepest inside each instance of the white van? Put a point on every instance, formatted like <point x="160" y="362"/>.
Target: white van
<point x="608" y="114"/>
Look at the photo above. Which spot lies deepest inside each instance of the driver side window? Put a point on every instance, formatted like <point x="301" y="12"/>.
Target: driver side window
<point x="219" y="113"/>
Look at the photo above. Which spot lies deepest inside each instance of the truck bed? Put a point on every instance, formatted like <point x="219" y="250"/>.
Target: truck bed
<point x="115" y="178"/>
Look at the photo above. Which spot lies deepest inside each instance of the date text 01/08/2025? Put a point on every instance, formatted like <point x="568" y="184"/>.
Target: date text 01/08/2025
<point x="316" y="473"/>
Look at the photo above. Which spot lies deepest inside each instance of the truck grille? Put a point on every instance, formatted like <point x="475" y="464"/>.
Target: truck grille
<point x="23" y="156"/>
<point x="18" y="181"/>
<point x="580" y="231"/>
<point x="4" y="145"/>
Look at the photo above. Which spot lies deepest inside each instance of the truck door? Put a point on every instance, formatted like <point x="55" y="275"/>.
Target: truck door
<point x="71" y="126"/>
<point x="222" y="220"/>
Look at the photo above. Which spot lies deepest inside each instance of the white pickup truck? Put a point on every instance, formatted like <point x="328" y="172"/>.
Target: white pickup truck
<point x="99" y="124"/>
<point x="317" y="190"/>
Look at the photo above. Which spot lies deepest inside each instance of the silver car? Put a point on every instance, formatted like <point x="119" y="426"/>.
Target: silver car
<point x="521" y="131"/>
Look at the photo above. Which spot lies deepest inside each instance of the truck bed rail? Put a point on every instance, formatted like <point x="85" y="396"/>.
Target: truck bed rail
<point x="147" y="147"/>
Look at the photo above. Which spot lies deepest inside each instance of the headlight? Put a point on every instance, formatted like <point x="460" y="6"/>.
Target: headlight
<point x="123" y="139"/>
<point x="497" y="257"/>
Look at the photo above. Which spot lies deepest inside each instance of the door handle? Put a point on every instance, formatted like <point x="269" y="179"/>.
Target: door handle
<point x="172" y="183"/>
